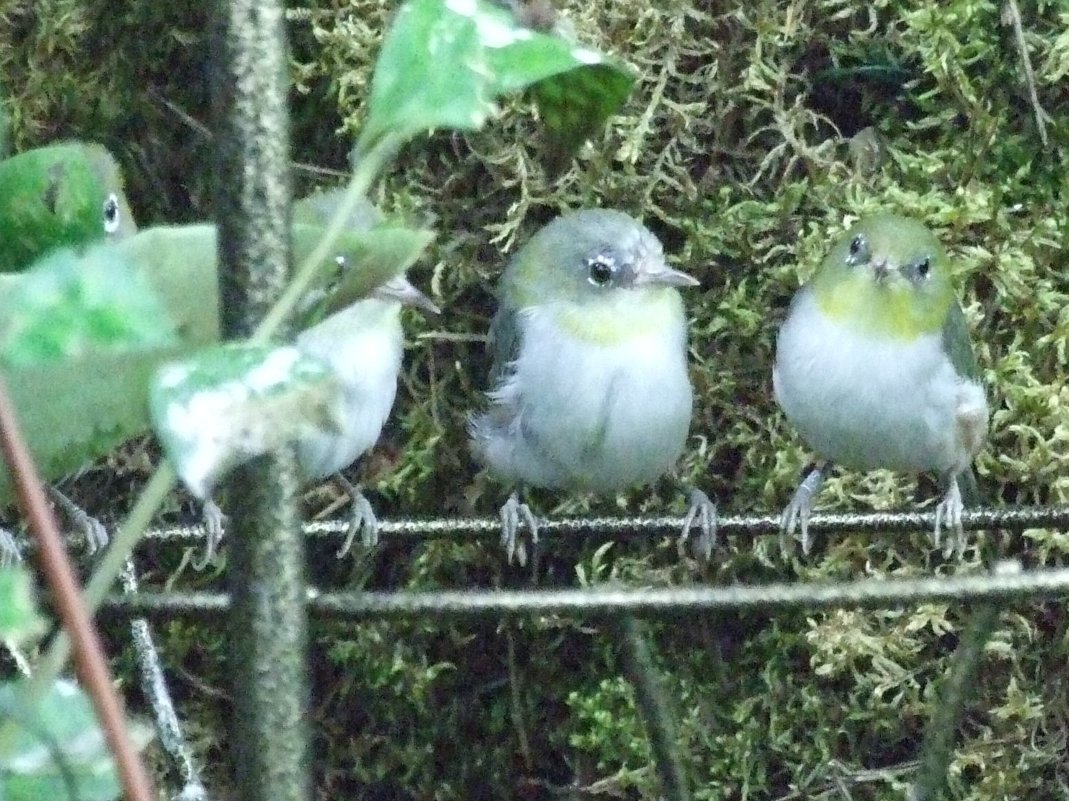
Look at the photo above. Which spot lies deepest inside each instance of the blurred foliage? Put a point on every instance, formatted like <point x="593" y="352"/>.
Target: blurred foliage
<point x="735" y="147"/>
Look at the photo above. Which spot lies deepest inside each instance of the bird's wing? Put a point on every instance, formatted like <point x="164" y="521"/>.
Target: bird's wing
<point x="972" y="407"/>
<point x="504" y="342"/>
<point x="957" y="344"/>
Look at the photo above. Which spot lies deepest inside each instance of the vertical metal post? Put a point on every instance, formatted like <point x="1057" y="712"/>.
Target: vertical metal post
<point x="268" y="624"/>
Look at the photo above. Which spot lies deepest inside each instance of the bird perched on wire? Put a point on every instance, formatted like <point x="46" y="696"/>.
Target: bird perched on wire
<point x="590" y="386"/>
<point x="875" y="369"/>
<point x="363" y="344"/>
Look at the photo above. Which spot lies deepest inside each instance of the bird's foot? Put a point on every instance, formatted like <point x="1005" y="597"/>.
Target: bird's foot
<point x="363" y="519"/>
<point x="96" y="536"/>
<point x="703" y="511"/>
<point x="9" y="549"/>
<point x="948" y="515"/>
<point x="512" y="514"/>
<point x="214" y="522"/>
<point x="796" y="514"/>
<point x="91" y="529"/>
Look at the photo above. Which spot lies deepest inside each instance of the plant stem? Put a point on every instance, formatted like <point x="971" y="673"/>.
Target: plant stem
<point x="364" y="174"/>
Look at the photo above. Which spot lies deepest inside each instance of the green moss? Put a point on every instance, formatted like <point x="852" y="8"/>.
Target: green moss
<point x="734" y="148"/>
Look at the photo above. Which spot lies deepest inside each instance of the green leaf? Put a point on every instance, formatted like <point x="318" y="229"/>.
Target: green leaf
<point x="372" y="252"/>
<point x="444" y="61"/>
<point x="76" y="410"/>
<point x="19" y="620"/>
<point x="181" y="263"/>
<point x="234" y="402"/>
<point x="58" y="751"/>
<point x="80" y="337"/>
<point x="378" y="255"/>
<point x="68" y="306"/>
<point x="574" y="105"/>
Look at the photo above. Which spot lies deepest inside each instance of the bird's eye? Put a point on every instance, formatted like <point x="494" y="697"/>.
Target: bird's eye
<point x="601" y="270"/>
<point x="858" y="252"/>
<point x="340" y="261"/>
<point x="924" y="266"/>
<point x="111" y="214"/>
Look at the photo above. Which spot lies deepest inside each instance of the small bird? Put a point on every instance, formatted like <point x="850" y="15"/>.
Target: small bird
<point x="589" y="375"/>
<point x="875" y="368"/>
<point x="68" y="194"/>
<point x="363" y="343"/>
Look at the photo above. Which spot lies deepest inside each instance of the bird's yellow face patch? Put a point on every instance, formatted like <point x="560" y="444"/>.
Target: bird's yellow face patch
<point x="888" y="277"/>
<point x="621" y="316"/>
<point x="891" y="309"/>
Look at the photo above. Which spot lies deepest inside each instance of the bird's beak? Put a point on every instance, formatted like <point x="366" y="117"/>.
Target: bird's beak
<point x="656" y="272"/>
<point x="402" y="290"/>
<point x="880" y="268"/>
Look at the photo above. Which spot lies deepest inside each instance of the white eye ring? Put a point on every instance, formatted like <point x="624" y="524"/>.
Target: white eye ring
<point x="600" y="270"/>
<point x="341" y="262"/>
<point x="111" y="214"/>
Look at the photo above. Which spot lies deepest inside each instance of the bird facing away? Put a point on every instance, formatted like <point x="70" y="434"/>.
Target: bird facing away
<point x="875" y="369"/>
<point x="590" y="390"/>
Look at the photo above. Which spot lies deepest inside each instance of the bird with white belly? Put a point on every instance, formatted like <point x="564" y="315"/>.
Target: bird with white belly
<point x="875" y="368"/>
<point x="590" y="384"/>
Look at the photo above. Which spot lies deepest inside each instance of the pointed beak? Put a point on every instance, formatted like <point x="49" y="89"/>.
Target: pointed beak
<point x="402" y="290"/>
<point x="656" y="272"/>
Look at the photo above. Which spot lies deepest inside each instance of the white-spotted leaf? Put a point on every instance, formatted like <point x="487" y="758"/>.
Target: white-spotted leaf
<point x="232" y="403"/>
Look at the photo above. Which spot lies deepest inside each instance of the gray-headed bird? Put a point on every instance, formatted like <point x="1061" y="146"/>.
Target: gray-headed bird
<point x="590" y="385"/>
<point x="364" y="344"/>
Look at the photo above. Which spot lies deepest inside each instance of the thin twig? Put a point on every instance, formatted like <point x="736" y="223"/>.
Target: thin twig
<point x="943" y="728"/>
<point x="519" y="719"/>
<point x="55" y="564"/>
<point x="1012" y="14"/>
<point x="639" y="669"/>
<point x="154" y="686"/>
<point x="188" y="119"/>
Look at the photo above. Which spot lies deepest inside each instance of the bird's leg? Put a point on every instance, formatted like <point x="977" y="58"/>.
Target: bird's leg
<point x="948" y="514"/>
<point x="363" y="517"/>
<point x="797" y="512"/>
<point x="214" y="522"/>
<point x="96" y="536"/>
<point x="703" y="511"/>
<point x="512" y="513"/>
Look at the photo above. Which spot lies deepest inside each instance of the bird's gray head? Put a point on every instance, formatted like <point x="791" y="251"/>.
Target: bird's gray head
<point x="583" y="255"/>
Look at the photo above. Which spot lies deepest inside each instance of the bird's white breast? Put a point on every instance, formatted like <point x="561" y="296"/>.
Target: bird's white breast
<point x="589" y="414"/>
<point x="364" y="345"/>
<point x="869" y="402"/>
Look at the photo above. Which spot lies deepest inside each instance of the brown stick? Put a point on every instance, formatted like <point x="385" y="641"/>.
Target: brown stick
<point x="88" y="654"/>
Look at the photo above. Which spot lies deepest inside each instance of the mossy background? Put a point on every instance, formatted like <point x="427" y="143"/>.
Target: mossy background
<point x="734" y="147"/>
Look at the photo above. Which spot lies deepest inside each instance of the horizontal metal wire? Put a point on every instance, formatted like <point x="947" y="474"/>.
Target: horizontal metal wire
<point x="478" y="528"/>
<point x="1005" y="584"/>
